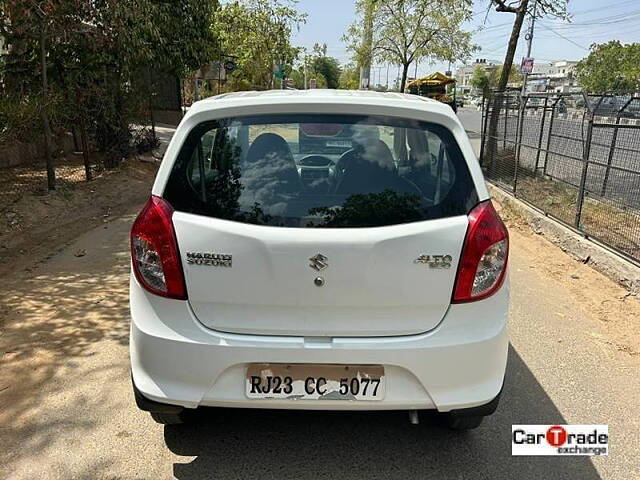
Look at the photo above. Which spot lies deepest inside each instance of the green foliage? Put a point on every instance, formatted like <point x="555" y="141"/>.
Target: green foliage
<point x="325" y="70"/>
<point x="19" y="118"/>
<point x="480" y="79"/>
<point x="258" y="33"/>
<point x="329" y="69"/>
<point x="514" y="76"/>
<point x="408" y="30"/>
<point x="98" y="58"/>
<point x="610" y="67"/>
<point x="349" y="77"/>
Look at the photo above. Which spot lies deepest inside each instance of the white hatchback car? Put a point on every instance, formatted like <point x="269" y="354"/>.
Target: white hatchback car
<point x="317" y="249"/>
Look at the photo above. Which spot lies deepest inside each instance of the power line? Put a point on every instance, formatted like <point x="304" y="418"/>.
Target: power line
<point x="614" y="19"/>
<point x="607" y="7"/>
<point x="562" y="36"/>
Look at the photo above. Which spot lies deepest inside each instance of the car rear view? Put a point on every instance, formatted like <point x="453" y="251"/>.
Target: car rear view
<point x="318" y="250"/>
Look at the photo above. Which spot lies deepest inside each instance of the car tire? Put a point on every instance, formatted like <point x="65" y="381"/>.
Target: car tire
<point x="168" y="418"/>
<point x="462" y="424"/>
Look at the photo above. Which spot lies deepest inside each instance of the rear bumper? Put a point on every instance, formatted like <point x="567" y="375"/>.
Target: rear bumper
<point x="458" y="365"/>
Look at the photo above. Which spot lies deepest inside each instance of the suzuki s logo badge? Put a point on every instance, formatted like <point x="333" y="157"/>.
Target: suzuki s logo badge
<point x="318" y="262"/>
<point x="435" y="261"/>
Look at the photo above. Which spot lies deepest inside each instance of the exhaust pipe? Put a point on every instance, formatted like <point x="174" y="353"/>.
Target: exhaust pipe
<point x="413" y="417"/>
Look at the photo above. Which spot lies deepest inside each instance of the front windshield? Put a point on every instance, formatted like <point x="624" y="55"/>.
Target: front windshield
<point x="321" y="171"/>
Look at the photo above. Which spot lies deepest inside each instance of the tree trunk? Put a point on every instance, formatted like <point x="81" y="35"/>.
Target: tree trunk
<point x="85" y="148"/>
<point x="403" y="82"/>
<point x="496" y="102"/>
<point x="513" y="44"/>
<point x="51" y="173"/>
<point x="82" y="125"/>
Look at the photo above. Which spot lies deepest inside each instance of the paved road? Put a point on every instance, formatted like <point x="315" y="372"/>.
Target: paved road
<point x="622" y="186"/>
<point x="67" y="410"/>
<point x="471" y="119"/>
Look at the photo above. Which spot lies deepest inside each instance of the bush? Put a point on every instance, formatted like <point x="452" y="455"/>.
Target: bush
<point x="19" y="118"/>
<point x="145" y="141"/>
<point x="21" y="121"/>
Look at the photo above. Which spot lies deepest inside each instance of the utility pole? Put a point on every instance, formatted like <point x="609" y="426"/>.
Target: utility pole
<point x="305" y="71"/>
<point x="529" y="38"/>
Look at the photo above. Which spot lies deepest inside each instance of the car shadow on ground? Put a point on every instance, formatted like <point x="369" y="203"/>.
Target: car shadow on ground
<point x="235" y="443"/>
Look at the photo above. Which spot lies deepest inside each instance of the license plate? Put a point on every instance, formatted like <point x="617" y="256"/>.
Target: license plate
<point x="315" y="382"/>
<point x="339" y="143"/>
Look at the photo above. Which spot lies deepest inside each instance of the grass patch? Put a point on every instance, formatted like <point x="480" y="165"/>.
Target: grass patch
<point x="612" y="224"/>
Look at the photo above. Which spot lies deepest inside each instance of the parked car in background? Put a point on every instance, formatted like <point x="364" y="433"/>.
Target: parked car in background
<point x="319" y="250"/>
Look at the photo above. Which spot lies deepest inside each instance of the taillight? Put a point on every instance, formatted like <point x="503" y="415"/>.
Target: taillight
<point x="484" y="257"/>
<point x="154" y="251"/>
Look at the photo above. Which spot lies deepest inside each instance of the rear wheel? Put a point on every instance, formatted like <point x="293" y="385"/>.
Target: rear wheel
<point x="463" y="423"/>
<point x="169" y="418"/>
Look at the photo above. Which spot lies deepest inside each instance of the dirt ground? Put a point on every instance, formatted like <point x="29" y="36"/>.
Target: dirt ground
<point x="37" y="226"/>
<point x="596" y="295"/>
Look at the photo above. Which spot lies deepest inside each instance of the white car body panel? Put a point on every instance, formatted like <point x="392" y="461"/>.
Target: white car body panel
<point x="372" y="285"/>
<point x="459" y="364"/>
<point x="377" y="307"/>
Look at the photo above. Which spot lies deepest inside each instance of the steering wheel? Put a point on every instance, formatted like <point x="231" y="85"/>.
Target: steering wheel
<point x="343" y="161"/>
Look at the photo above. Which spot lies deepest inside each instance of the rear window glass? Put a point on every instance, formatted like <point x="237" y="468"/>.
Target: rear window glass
<point x="321" y="171"/>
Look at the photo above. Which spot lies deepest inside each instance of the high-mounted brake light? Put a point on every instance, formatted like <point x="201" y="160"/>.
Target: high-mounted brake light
<point x="484" y="257"/>
<point x="154" y="251"/>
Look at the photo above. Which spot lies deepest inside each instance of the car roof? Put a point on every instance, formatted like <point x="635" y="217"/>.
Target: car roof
<point x="319" y="92"/>
<point x="320" y="96"/>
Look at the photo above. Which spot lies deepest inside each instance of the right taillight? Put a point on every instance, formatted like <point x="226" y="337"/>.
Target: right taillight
<point x="154" y="251"/>
<point x="483" y="263"/>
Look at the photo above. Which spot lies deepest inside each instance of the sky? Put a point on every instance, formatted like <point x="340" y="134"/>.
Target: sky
<point x="593" y="21"/>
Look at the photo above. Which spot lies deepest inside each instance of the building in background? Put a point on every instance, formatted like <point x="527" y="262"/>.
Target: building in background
<point x="464" y="74"/>
<point x="557" y="77"/>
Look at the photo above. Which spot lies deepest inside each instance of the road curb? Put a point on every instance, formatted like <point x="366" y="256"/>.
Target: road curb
<point x="621" y="271"/>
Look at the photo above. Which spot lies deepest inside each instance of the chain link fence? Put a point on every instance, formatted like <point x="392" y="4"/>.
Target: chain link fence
<point x="576" y="157"/>
<point x="23" y="169"/>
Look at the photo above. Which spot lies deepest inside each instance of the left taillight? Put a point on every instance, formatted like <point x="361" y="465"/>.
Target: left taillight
<point x="154" y="251"/>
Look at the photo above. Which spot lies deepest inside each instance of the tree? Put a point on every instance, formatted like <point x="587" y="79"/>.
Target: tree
<point x="556" y="8"/>
<point x="407" y="30"/>
<point x="258" y="34"/>
<point x="512" y="77"/>
<point x="349" y="77"/>
<point x="480" y="79"/>
<point x="327" y="67"/>
<point x="520" y="8"/>
<point x="85" y="65"/>
<point x="610" y="67"/>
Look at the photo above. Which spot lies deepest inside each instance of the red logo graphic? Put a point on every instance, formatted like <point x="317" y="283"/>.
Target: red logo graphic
<point x="556" y="436"/>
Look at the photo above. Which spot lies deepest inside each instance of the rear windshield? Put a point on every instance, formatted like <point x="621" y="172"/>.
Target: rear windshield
<point x="310" y="171"/>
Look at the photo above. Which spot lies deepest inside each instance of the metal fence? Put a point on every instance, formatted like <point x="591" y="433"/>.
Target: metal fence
<point x="576" y="157"/>
<point x="23" y="170"/>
